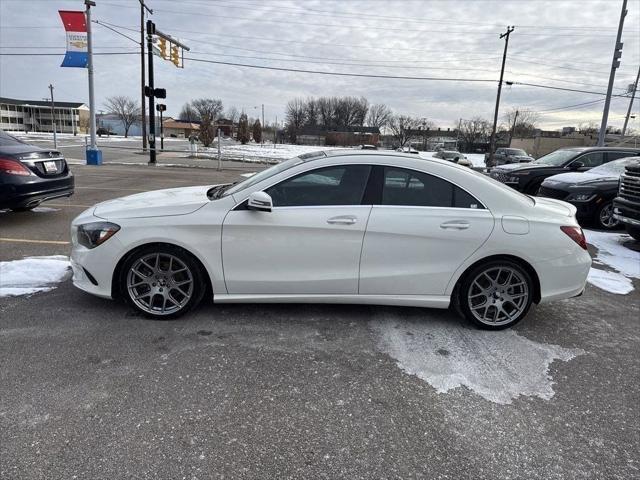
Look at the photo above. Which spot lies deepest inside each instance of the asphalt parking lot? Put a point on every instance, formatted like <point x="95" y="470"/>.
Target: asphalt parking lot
<point x="89" y="389"/>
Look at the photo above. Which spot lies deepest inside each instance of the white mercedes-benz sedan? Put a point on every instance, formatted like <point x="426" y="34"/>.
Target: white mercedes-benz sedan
<point x="339" y="226"/>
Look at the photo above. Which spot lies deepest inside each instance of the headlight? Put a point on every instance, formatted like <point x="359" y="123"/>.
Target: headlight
<point x="580" y="197"/>
<point x="513" y="179"/>
<point x="91" y="235"/>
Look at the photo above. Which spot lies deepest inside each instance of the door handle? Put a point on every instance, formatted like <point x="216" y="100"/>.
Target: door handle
<point x="342" y="220"/>
<point x="455" y="225"/>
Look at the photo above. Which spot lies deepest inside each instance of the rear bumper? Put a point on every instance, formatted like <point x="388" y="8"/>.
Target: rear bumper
<point x="27" y="191"/>
<point x="563" y="277"/>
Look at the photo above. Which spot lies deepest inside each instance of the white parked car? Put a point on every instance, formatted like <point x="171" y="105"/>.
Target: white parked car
<point x="351" y="226"/>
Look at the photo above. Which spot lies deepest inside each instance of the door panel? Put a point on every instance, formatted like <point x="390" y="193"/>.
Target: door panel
<point x="294" y="250"/>
<point x="415" y="250"/>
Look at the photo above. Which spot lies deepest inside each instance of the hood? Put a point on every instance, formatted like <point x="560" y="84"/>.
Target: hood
<point x="555" y="207"/>
<point x="518" y="166"/>
<point x="578" y="178"/>
<point x="158" y="203"/>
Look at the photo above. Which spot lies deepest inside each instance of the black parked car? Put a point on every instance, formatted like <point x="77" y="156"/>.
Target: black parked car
<point x="528" y="177"/>
<point x="30" y="175"/>
<point x="591" y="192"/>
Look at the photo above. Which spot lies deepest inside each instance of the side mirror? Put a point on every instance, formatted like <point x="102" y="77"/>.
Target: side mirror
<point x="576" y="165"/>
<point x="260" y="201"/>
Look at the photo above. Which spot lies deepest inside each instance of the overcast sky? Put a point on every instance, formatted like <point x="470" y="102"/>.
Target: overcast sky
<point x="556" y="43"/>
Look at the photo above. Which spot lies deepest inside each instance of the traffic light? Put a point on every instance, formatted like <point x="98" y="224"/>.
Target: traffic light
<point x="617" y="54"/>
<point x="163" y="47"/>
<point x="175" y="55"/>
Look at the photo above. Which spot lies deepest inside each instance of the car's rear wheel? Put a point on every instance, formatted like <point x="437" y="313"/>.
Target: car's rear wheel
<point x="162" y="281"/>
<point x="496" y="294"/>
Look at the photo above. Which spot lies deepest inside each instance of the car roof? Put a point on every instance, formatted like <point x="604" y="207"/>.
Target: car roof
<point x="588" y="149"/>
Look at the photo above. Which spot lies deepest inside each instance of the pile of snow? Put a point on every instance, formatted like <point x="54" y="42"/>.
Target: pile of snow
<point x="32" y="274"/>
<point x="612" y="253"/>
<point x="497" y="365"/>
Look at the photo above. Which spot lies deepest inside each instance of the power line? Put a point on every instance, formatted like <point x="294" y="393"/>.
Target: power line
<point x="116" y="31"/>
<point x="62" y="53"/>
<point x="537" y="85"/>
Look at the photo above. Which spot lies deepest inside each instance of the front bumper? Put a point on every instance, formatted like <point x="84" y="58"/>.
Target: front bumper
<point x="626" y="211"/>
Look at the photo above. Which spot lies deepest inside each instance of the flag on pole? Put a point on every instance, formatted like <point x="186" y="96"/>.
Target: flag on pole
<point x="75" y="23"/>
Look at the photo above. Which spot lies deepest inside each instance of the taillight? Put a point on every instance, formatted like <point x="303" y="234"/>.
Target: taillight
<point x="576" y="234"/>
<point x="13" y="167"/>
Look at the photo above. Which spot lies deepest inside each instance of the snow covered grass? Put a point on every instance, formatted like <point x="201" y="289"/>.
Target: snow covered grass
<point x="32" y="274"/>
<point x="252" y="152"/>
<point x="499" y="366"/>
<point x="612" y="253"/>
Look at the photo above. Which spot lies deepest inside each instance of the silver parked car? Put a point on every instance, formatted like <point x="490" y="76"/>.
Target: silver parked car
<point x="510" y="155"/>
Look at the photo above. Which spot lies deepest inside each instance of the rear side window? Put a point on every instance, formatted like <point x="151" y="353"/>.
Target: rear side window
<point x="615" y="155"/>
<point x="411" y="188"/>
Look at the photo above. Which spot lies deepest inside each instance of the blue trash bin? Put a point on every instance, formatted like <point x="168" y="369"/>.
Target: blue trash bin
<point x="94" y="157"/>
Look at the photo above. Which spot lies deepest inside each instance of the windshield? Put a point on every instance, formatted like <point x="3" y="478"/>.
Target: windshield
<point x="557" y="158"/>
<point x="615" y="168"/>
<point x="270" y="172"/>
<point x="6" y="139"/>
<point x="514" y="151"/>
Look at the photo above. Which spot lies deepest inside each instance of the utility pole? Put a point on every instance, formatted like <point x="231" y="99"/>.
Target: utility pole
<point x="513" y="127"/>
<point x="219" y="151"/>
<point x="492" y="142"/>
<point x="143" y="7"/>
<point x="262" y="127"/>
<point x="633" y="96"/>
<point x="152" y="123"/>
<point x="53" y="118"/>
<point x="161" y="107"/>
<point x="94" y="156"/>
<point x="615" y="63"/>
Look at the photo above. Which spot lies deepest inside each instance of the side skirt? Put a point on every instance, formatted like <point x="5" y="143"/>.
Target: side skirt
<point x="428" y="301"/>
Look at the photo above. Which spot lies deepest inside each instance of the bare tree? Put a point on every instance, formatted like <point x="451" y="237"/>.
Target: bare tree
<point x="208" y="110"/>
<point x="311" y="112"/>
<point x="232" y="113"/>
<point x="379" y="115"/>
<point x="188" y="114"/>
<point x="256" y="130"/>
<point x="474" y="131"/>
<point x="403" y="128"/>
<point x="588" y="128"/>
<point x="126" y="109"/>
<point x="521" y="124"/>
<point x="295" y="117"/>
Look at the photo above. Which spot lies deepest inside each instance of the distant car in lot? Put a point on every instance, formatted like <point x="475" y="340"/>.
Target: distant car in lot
<point x="408" y="150"/>
<point x="368" y="147"/>
<point x="528" y="177"/>
<point x="336" y="227"/>
<point x="503" y="156"/>
<point x="626" y="206"/>
<point x="453" y="156"/>
<point x="30" y="175"/>
<point x="591" y="192"/>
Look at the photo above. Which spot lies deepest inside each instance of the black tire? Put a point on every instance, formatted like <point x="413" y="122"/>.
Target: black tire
<point x="533" y="188"/>
<point x="633" y="231"/>
<point x="160" y="284"/>
<point x="606" y="210"/>
<point x="495" y="303"/>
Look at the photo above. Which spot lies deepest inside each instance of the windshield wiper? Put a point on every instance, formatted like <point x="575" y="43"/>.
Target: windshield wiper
<point x="218" y="190"/>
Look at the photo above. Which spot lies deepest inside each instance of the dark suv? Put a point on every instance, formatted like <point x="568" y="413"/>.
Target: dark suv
<point x="30" y="175"/>
<point x="528" y="177"/>
<point x="626" y="206"/>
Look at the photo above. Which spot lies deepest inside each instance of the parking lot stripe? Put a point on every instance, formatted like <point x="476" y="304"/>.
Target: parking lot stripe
<point x="26" y="240"/>
<point x="109" y="188"/>
<point x="68" y="205"/>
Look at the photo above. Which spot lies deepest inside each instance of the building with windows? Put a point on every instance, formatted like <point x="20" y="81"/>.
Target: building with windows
<point x="38" y="116"/>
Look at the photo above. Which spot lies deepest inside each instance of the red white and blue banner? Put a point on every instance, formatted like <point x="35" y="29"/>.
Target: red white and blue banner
<point x="75" y="23"/>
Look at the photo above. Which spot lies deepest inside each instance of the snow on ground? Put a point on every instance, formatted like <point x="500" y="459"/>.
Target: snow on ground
<point x="252" y="152"/>
<point x="499" y="366"/>
<point x="612" y="253"/>
<point x="32" y="274"/>
<point x="612" y="282"/>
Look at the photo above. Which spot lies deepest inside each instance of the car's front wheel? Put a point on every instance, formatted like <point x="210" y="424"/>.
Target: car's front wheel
<point x="496" y="294"/>
<point x="162" y="281"/>
<point x="604" y="217"/>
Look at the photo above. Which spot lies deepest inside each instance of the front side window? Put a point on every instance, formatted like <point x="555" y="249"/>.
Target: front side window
<point x="340" y="185"/>
<point x="411" y="188"/>
<point x="592" y="159"/>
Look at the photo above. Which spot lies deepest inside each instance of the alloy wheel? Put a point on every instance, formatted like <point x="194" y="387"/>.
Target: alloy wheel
<point x="498" y="295"/>
<point x="606" y="217"/>
<point x="160" y="283"/>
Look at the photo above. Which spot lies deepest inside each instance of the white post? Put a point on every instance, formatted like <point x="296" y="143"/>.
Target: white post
<point x="219" y="152"/>
<point x="92" y="105"/>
